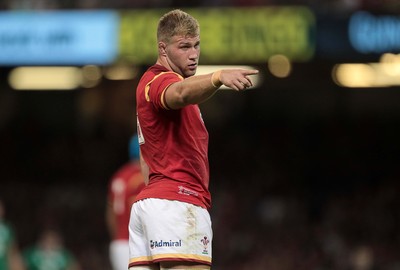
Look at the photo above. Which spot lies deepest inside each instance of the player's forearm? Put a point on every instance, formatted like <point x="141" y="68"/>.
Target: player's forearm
<point x="193" y="90"/>
<point x="198" y="89"/>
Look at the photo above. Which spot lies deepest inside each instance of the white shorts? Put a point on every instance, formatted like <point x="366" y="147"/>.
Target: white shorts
<point x="119" y="254"/>
<point x="165" y="230"/>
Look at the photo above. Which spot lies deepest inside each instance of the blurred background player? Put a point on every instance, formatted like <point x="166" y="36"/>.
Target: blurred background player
<point x="49" y="253"/>
<point x="10" y="257"/>
<point x="125" y="184"/>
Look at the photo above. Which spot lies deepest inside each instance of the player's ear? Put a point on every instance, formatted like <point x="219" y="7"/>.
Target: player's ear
<point x="162" y="48"/>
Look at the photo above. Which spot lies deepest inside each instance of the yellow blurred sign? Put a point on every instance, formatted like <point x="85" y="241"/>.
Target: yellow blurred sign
<point x="228" y="35"/>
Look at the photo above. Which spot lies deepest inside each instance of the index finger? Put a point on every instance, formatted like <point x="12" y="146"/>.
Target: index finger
<point x="251" y="71"/>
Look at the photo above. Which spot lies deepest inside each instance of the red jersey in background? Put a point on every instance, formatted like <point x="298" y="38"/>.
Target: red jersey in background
<point x="124" y="186"/>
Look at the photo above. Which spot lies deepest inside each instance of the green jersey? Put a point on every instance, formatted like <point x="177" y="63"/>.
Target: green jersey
<point x="37" y="259"/>
<point x="6" y="240"/>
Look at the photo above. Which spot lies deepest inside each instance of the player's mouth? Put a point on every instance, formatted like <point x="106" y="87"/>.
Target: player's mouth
<point x="193" y="66"/>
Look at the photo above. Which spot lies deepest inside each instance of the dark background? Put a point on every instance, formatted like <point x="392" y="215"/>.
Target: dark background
<point x="304" y="173"/>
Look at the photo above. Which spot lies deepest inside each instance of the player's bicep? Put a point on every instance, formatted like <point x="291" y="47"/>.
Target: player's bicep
<point x="172" y="97"/>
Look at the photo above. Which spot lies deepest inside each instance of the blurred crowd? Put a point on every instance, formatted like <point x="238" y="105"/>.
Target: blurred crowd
<point x="268" y="214"/>
<point x="288" y="193"/>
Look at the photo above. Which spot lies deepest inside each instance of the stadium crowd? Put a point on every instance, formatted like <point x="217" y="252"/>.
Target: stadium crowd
<point x="287" y="194"/>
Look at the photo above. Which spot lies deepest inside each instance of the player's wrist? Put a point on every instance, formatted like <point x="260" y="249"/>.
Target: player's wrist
<point x="215" y="79"/>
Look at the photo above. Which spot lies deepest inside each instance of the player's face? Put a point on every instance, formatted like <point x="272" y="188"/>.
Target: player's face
<point x="183" y="54"/>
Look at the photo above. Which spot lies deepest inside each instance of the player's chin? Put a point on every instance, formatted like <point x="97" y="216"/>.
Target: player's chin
<point x="190" y="72"/>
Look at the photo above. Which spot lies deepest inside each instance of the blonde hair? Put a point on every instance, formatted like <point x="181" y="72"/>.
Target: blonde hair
<point x="177" y="23"/>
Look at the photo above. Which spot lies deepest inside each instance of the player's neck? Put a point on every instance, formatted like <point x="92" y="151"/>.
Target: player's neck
<point x="163" y="62"/>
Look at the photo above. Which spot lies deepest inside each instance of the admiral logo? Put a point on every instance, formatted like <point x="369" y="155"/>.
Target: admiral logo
<point x="186" y="191"/>
<point x="161" y="243"/>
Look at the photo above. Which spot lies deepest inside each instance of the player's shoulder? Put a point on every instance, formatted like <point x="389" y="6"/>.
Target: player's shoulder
<point x="157" y="71"/>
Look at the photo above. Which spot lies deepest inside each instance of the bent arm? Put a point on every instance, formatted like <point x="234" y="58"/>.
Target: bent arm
<point x="193" y="90"/>
<point x="197" y="89"/>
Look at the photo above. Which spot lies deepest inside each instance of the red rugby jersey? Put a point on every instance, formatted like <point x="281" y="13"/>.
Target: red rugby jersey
<point x="124" y="186"/>
<point x="174" y="143"/>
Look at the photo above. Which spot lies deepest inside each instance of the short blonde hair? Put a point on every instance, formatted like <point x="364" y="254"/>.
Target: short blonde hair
<point x="177" y="23"/>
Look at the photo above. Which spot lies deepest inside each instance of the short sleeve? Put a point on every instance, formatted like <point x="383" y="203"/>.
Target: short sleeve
<point x="155" y="89"/>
